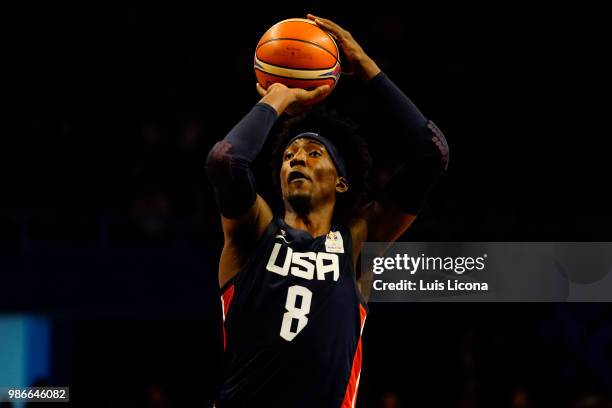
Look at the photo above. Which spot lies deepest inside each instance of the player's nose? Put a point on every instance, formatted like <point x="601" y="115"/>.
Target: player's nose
<point x="299" y="158"/>
<point x="297" y="162"/>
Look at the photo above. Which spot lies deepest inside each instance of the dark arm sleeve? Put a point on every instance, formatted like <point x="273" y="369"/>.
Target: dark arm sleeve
<point x="228" y="165"/>
<point x="427" y="157"/>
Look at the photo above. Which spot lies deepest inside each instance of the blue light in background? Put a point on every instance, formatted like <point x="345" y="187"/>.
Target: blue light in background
<point x="24" y="350"/>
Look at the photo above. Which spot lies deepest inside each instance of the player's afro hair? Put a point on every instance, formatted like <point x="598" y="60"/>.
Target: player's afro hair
<point x="343" y="133"/>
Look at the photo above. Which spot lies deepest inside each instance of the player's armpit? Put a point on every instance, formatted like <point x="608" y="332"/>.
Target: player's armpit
<point x="386" y="221"/>
<point x="379" y="221"/>
<point x="359" y="230"/>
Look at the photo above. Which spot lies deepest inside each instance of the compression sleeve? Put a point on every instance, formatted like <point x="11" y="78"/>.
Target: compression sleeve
<point x="228" y="165"/>
<point x="427" y="157"/>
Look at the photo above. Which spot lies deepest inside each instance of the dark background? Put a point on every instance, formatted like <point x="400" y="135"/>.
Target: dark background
<point x="108" y="226"/>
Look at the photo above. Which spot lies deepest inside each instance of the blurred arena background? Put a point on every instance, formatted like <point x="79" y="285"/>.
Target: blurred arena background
<point x="109" y="234"/>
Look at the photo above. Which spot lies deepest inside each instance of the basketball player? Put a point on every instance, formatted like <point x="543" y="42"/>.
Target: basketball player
<point x="292" y="304"/>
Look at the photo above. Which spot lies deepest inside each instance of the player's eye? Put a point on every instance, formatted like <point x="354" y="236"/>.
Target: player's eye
<point x="288" y="156"/>
<point x="315" y="153"/>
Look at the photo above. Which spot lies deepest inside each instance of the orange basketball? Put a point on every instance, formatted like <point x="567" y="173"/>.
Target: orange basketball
<point x="298" y="54"/>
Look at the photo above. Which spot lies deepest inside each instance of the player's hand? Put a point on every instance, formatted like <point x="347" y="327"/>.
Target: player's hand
<point x="357" y="61"/>
<point x="289" y="100"/>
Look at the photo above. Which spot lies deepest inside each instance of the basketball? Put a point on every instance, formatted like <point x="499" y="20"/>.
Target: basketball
<point x="299" y="54"/>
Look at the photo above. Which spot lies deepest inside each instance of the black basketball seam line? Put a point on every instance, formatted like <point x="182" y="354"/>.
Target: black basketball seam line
<point x="298" y="40"/>
<point x="296" y="79"/>
<point x="312" y="24"/>
<point x="299" y="69"/>
<point x="304" y="41"/>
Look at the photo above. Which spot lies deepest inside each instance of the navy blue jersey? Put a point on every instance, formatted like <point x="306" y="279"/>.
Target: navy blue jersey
<point x="293" y="319"/>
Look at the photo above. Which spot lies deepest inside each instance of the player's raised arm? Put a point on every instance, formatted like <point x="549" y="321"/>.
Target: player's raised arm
<point x="228" y="165"/>
<point x="426" y="156"/>
<point x="245" y="214"/>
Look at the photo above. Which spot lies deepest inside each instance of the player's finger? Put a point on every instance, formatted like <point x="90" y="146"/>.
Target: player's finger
<point x="329" y="25"/>
<point x="321" y="22"/>
<point x="260" y="89"/>
<point x="318" y="91"/>
<point x="327" y="28"/>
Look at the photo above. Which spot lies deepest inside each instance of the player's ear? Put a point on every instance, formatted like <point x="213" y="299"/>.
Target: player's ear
<point x="341" y="185"/>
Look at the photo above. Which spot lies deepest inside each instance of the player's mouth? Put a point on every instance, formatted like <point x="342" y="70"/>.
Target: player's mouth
<point x="296" y="175"/>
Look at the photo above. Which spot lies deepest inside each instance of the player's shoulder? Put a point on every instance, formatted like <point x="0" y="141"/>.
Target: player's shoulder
<point x="237" y="253"/>
<point x="250" y="225"/>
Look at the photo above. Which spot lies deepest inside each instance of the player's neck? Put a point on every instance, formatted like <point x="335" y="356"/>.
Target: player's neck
<point x="317" y="222"/>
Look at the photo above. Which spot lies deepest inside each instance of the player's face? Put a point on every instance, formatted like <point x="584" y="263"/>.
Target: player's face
<point x="308" y="172"/>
